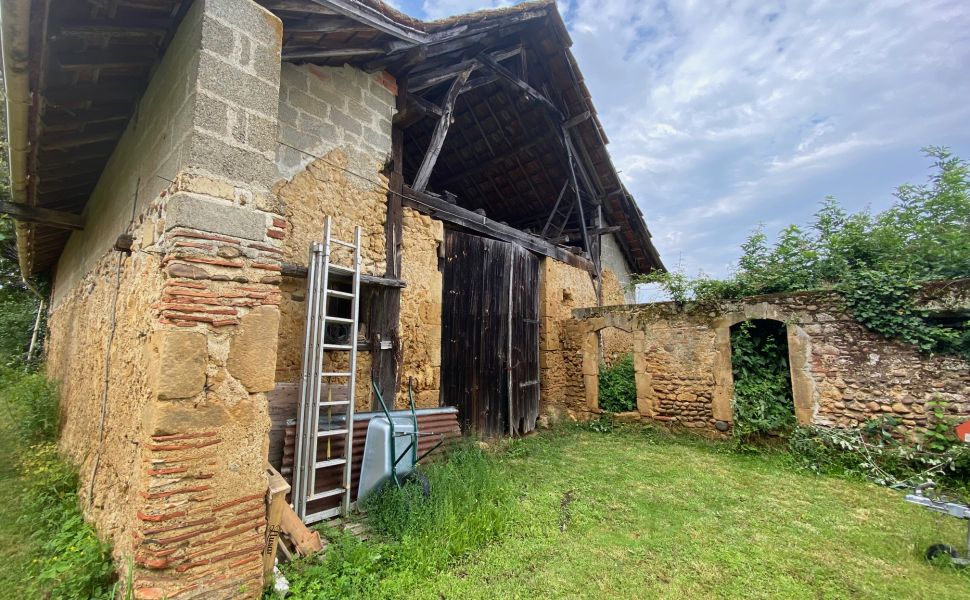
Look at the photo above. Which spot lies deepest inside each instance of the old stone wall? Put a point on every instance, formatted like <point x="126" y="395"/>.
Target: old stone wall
<point x="843" y="375"/>
<point x="565" y="288"/>
<point x="421" y="309"/>
<point x="175" y="478"/>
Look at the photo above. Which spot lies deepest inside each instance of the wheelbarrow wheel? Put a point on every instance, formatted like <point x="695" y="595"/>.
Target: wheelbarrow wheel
<point x="937" y="550"/>
<point x="419" y="479"/>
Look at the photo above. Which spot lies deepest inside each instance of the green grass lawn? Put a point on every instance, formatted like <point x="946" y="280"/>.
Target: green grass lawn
<point x="653" y="516"/>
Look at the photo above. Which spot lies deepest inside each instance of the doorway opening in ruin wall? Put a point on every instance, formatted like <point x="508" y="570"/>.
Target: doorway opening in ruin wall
<point x="762" y="401"/>
<point x="614" y="370"/>
<point x="616" y="385"/>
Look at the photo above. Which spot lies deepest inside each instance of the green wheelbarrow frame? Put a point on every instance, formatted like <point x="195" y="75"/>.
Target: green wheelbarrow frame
<point x="413" y="435"/>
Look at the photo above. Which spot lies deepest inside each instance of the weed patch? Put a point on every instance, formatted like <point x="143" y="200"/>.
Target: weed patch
<point x="618" y="386"/>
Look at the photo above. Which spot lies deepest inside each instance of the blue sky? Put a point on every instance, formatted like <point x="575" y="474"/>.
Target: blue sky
<point x="724" y="114"/>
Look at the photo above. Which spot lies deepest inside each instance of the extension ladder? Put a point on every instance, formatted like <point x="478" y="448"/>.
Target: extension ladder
<point x="322" y="418"/>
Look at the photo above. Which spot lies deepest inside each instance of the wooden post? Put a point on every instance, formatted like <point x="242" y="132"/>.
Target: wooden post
<point x="440" y="131"/>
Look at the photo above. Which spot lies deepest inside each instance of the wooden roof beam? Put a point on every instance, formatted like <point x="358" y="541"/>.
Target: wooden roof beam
<point x="443" y="210"/>
<point x="42" y="216"/>
<point x="440" y="131"/>
<point x="503" y="73"/>
<point x="318" y="54"/>
<point x="365" y="14"/>
<point x="323" y="24"/>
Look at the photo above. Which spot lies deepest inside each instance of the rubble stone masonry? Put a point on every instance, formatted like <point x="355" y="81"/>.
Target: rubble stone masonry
<point x="171" y="434"/>
<point x="842" y="374"/>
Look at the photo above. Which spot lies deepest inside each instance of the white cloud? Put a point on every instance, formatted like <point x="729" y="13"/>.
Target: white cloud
<point x="723" y="114"/>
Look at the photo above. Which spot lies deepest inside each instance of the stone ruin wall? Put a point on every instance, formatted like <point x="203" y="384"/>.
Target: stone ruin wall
<point x="843" y="375"/>
<point x="176" y="481"/>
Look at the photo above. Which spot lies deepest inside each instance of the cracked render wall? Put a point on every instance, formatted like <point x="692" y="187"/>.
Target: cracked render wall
<point x="843" y="375"/>
<point x="335" y="125"/>
<point x="175" y="479"/>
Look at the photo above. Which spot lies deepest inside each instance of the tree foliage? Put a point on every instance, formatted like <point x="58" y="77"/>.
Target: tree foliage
<point x="876" y="260"/>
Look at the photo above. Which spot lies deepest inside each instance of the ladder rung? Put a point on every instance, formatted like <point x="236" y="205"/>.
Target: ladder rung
<point x="335" y="403"/>
<point x="335" y="374"/>
<point x="337" y="347"/>
<point x="341" y="269"/>
<point x="323" y="514"/>
<point x="339" y="294"/>
<point x="330" y="432"/>
<point x="326" y="494"/>
<point x="323" y="464"/>
<point x="339" y="320"/>
<point x="342" y="243"/>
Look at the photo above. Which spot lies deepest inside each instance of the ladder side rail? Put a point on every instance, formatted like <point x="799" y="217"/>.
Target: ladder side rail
<point x="321" y="338"/>
<point x="301" y="438"/>
<point x="309" y="425"/>
<point x="351" y="391"/>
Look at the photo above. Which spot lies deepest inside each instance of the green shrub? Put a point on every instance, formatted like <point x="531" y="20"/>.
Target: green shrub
<point x="618" y="386"/>
<point x="762" y="402"/>
<point x="880" y="452"/>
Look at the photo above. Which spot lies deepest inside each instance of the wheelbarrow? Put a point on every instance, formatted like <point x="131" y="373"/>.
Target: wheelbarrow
<point x="953" y="509"/>
<point x="941" y="505"/>
<point x="391" y="449"/>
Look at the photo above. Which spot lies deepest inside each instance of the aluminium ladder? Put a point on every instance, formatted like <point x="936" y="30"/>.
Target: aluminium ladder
<point x="311" y="430"/>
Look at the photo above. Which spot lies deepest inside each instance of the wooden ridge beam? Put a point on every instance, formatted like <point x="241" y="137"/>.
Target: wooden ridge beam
<point x="42" y="216"/>
<point x="441" y="209"/>
<point x="440" y="131"/>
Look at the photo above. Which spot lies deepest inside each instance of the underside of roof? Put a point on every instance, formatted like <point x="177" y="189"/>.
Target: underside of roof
<point x="524" y="134"/>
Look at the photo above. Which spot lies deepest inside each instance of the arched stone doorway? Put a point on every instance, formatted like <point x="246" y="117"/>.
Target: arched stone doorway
<point x="799" y="360"/>
<point x="617" y="327"/>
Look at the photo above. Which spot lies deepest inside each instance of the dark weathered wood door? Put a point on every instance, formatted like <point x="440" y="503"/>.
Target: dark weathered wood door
<point x="490" y="334"/>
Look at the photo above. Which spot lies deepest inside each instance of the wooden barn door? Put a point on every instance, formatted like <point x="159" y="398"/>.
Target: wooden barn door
<point x="490" y="335"/>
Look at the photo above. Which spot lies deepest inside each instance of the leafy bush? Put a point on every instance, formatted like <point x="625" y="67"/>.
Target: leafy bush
<point x="618" y="386"/>
<point x="470" y="505"/>
<point x="762" y="400"/>
<point x="31" y="404"/>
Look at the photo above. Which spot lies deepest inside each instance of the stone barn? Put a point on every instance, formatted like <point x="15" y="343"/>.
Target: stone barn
<point x="172" y="161"/>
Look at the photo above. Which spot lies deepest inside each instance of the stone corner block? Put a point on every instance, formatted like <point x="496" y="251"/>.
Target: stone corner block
<point x="252" y="351"/>
<point x="197" y="212"/>
<point x="178" y="362"/>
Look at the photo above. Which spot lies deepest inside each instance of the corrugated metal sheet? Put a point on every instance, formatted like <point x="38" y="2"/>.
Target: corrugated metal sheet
<point x="438" y="420"/>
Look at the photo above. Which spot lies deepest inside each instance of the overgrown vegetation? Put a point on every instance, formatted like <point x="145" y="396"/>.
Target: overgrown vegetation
<point x="632" y="515"/>
<point x="59" y="555"/>
<point x="618" y="386"/>
<point x="878" y="452"/>
<point x="471" y="505"/>
<point x="762" y="403"/>
<point x="48" y="551"/>
<point x="876" y="261"/>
